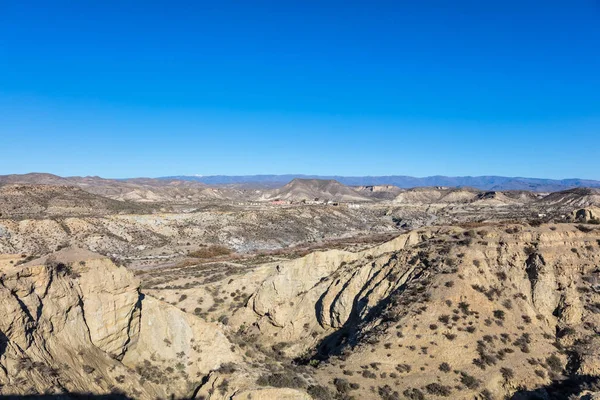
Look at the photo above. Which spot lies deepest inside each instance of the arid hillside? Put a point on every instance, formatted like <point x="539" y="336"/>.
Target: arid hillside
<point x="170" y="235"/>
<point x="36" y="201"/>
<point x="378" y="293"/>
<point x="315" y="190"/>
<point x="488" y="311"/>
<point x="139" y="190"/>
<point x="582" y="197"/>
<point x="382" y="192"/>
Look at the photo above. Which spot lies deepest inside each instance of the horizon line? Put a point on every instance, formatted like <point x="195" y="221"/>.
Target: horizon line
<point x="201" y="176"/>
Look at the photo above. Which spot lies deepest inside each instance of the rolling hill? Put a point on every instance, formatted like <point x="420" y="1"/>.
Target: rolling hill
<point x="315" y="189"/>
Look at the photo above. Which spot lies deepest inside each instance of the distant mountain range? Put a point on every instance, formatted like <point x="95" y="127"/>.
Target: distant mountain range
<point x="478" y="182"/>
<point x="154" y="189"/>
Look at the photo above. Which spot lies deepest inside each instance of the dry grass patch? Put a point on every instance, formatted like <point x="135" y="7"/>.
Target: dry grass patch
<point x="210" y="252"/>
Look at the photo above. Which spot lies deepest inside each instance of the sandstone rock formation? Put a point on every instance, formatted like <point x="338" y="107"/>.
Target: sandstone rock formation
<point x="492" y="304"/>
<point x="587" y="214"/>
<point x="70" y="318"/>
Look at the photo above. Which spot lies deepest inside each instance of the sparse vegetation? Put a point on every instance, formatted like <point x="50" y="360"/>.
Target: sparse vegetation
<point x="445" y="367"/>
<point x="438" y="390"/>
<point x="210" y="252"/>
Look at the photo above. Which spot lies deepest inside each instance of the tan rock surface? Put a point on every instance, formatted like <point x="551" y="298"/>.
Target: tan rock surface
<point x="69" y="317"/>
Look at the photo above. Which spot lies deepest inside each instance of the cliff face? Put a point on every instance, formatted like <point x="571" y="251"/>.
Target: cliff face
<point x="325" y="290"/>
<point x="84" y="326"/>
<point x="510" y="307"/>
<point x="64" y="326"/>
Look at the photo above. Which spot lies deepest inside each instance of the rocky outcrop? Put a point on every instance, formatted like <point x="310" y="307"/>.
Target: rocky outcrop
<point x="111" y="304"/>
<point x="587" y="214"/>
<point x="323" y="291"/>
<point x="70" y="318"/>
<point x="48" y="345"/>
<point x="176" y="349"/>
<point x="570" y="309"/>
<point x="492" y="303"/>
<point x="543" y="284"/>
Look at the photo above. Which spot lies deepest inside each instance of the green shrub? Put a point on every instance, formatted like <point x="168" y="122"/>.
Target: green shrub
<point x="319" y="392"/>
<point x="413" y="394"/>
<point x="438" y="390"/>
<point x="469" y="381"/>
<point x="280" y="380"/>
<point x="554" y="363"/>
<point x="445" y="367"/>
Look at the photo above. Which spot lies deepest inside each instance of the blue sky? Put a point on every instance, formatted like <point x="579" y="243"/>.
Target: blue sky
<point x="132" y="88"/>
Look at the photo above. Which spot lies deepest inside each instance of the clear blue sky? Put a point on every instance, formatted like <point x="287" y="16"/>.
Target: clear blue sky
<point x="155" y="88"/>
